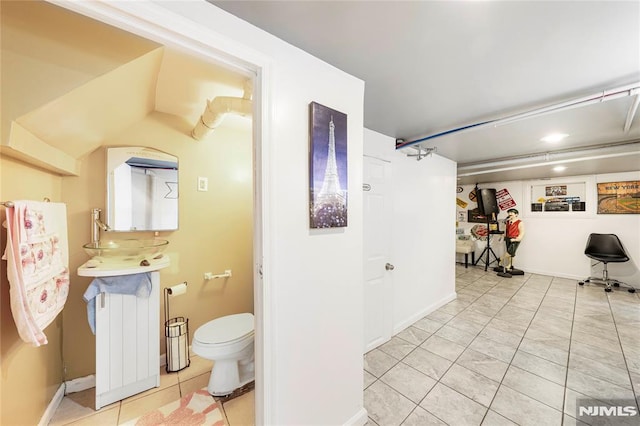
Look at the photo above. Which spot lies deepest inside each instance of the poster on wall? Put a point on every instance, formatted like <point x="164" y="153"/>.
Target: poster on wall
<point x="504" y="199"/>
<point x="327" y="167"/>
<point x="619" y="197"/>
<point x="554" y="191"/>
<point x="563" y="197"/>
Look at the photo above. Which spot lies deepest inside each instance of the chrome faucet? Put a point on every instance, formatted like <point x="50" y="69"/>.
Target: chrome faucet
<point x="97" y="225"/>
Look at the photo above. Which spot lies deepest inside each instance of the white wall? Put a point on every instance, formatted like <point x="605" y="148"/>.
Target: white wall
<point x="313" y="282"/>
<point x="555" y="241"/>
<point x="424" y="229"/>
<point x="423" y="249"/>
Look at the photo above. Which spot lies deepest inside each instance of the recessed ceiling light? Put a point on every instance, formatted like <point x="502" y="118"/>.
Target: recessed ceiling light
<point x="559" y="168"/>
<point x="554" y="137"/>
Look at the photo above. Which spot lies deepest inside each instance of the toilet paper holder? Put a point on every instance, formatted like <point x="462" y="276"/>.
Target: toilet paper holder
<point x="176" y="331"/>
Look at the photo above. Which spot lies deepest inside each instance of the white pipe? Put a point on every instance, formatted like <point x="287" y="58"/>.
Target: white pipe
<point x="545" y="163"/>
<point x="217" y="110"/>
<point x="632" y="111"/>
<point x="604" y="151"/>
<point x="605" y="95"/>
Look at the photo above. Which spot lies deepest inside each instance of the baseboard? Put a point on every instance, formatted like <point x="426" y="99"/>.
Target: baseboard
<point x="424" y="312"/>
<point x="558" y="274"/>
<point x="53" y="406"/>
<point x="80" y="384"/>
<point x="359" y="419"/>
<point x="88" y="382"/>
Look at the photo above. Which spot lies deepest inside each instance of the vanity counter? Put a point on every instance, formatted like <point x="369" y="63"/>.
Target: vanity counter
<point x="113" y="268"/>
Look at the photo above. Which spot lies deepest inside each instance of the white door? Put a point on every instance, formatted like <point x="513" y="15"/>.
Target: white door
<point x="378" y="292"/>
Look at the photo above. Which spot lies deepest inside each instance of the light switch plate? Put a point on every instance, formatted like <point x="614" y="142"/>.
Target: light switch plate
<point x="203" y="184"/>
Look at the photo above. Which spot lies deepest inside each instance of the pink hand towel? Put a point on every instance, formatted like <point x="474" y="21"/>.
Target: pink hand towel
<point x="37" y="266"/>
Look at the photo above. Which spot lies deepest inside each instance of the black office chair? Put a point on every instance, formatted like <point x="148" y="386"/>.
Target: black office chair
<point x="606" y="248"/>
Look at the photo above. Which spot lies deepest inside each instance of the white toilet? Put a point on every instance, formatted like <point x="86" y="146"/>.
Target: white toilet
<point x="228" y="342"/>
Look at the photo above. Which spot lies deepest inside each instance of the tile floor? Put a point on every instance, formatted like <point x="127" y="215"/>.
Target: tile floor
<point x="78" y="408"/>
<point x="508" y="351"/>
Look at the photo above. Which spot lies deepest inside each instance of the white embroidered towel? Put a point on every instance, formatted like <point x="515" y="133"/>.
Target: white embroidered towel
<point x="37" y="256"/>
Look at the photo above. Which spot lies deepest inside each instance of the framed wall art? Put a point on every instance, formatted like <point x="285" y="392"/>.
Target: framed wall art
<point x="327" y="167"/>
<point x="559" y="197"/>
<point x="619" y="197"/>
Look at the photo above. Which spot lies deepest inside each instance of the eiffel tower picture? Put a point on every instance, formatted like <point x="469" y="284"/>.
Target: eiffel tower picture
<point x="328" y="171"/>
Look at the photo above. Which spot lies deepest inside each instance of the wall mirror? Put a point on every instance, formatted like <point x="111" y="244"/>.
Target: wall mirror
<point x="142" y="189"/>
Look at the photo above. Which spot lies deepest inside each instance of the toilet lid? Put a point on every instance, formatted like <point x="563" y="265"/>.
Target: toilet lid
<point x="225" y="329"/>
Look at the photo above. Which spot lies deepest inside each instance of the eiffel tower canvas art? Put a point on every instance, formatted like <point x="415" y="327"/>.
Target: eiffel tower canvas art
<point x="328" y="167"/>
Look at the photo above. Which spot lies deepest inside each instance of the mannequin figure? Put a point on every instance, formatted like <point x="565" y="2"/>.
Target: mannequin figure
<point x="513" y="236"/>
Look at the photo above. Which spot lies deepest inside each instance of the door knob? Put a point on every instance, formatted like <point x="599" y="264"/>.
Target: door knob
<point x="389" y="267"/>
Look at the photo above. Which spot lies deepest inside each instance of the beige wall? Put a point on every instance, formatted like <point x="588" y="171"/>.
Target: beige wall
<point x="215" y="233"/>
<point x="26" y="370"/>
<point x="215" y="227"/>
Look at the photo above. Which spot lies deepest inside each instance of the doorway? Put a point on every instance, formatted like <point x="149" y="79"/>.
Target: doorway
<point x="165" y="29"/>
<point x="378" y="287"/>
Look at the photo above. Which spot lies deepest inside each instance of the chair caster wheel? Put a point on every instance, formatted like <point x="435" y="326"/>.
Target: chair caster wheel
<point x="632" y="290"/>
<point x="608" y="290"/>
<point x="580" y="282"/>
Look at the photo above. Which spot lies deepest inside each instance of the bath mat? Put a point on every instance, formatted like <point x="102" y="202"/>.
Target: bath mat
<point x="196" y="408"/>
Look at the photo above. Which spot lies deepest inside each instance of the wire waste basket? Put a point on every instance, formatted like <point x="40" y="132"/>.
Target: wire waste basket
<point x="176" y="331"/>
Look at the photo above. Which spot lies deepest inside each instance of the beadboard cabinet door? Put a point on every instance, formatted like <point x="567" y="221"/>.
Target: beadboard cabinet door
<point x="127" y="344"/>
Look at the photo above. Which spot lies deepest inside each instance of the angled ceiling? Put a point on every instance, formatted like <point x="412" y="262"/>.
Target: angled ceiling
<point x="433" y="66"/>
<point x="64" y="95"/>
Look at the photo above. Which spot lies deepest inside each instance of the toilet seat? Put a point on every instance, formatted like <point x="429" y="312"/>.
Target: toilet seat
<point x="225" y="330"/>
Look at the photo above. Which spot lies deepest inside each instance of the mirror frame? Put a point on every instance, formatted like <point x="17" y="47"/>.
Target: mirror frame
<point x="149" y="159"/>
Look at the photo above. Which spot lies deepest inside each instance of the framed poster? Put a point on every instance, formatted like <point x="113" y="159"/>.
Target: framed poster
<point x="619" y="197"/>
<point x="327" y="167"/>
<point x="562" y="197"/>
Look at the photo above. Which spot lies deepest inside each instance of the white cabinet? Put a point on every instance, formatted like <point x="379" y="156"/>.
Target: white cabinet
<point x="127" y="339"/>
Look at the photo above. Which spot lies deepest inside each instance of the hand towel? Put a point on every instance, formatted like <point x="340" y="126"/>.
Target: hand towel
<point x="37" y="258"/>
<point x="138" y="284"/>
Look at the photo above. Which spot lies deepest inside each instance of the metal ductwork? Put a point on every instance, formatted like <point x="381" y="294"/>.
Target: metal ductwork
<point x="218" y="108"/>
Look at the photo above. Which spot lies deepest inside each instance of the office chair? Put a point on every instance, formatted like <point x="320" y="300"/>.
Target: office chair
<point x="606" y="248"/>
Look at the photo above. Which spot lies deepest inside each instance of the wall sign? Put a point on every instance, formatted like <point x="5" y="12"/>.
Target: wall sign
<point x="504" y="199"/>
<point x="619" y="197"/>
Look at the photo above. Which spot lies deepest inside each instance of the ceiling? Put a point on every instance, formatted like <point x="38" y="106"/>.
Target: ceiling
<point x="62" y="94"/>
<point x="431" y="67"/>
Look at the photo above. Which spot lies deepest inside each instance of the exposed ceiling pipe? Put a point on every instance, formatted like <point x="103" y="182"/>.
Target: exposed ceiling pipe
<point x="549" y="158"/>
<point x="605" y="95"/>
<point x="219" y="107"/>
<point x="632" y="111"/>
